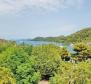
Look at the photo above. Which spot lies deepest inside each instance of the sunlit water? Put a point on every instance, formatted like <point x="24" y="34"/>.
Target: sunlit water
<point x="35" y="43"/>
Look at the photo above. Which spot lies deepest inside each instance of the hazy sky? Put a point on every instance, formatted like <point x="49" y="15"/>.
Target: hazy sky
<point x="31" y="18"/>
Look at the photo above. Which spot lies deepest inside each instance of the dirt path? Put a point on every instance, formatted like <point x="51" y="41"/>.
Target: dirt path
<point x="43" y="82"/>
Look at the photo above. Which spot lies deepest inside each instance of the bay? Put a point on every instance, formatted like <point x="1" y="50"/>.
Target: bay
<point x="36" y="43"/>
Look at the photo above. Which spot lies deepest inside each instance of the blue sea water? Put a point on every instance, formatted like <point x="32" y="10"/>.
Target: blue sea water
<point x="35" y="43"/>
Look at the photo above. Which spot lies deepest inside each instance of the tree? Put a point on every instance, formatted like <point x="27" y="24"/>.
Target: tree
<point x="83" y="51"/>
<point x="26" y="74"/>
<point x="47" y="59"/>
<point x="6" y="77"/>
<point x="27" y="48"/>
<point x="13" y="57"/>
<point x="69" y="73"/>
<point x="65" y="55"/>
<point x="17" y="59"/>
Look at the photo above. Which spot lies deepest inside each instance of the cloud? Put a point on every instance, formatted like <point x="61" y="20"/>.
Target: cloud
<point x="20" y="5"/>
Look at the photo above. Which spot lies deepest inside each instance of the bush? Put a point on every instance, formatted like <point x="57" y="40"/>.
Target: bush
<point x="73" y="74"/>
<point x="83" y="51"/>
<point x="17" y="59"/>
<point x="47" y="60"/>
<point x="26" y="74"/>
<point x="27" y="48"/>
<point x="6" y="77"/>
<point x="65" y="55"/>
<point x="13" y="57"/>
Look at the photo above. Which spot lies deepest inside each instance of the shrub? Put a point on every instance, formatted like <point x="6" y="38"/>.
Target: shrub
<point x="26" y="74"/>
<point x="65" y="55"/>
<point x="73" y="74"/>
<point x="6" y="77"/>
<point x="13" y="57"/>
<point x="83" y="51"/>
<point x="47" y="59"/>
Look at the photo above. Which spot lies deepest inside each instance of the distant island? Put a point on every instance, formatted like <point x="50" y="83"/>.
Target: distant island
<point x="83" y="35"/>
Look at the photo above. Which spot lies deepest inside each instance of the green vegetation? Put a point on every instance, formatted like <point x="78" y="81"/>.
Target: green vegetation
<point x="27" y="64"/>
<point x="6" y="77"/>
<point x="65" y="55"/>
<point x="51" y="39"/>
<point x="80" y="36"/>
<point x="83" y="51"/>
<point x="69" y="73"/>
<point x="47" y="60"/>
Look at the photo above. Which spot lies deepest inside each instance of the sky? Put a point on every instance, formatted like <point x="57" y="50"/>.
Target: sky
<point x="32" y="18"/>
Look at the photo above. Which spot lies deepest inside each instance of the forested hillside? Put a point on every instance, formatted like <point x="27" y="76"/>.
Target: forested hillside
<point x="51" y="39"/>
<point x="80" y="36"/>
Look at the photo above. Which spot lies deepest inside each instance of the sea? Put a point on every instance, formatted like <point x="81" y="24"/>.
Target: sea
<point x="36" y="43"/>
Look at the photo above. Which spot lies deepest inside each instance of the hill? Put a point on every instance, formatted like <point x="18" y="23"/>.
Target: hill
<point x="51" y="39"/>
<point x="83" y="35"/>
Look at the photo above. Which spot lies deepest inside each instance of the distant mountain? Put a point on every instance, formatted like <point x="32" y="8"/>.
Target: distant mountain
<point x="51" y="39"/>
<point x="83" y="35"/>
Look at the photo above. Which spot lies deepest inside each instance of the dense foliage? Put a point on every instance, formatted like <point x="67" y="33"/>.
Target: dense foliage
<point x="47" y="59"/>
<point x="27" y="64"/>
<point x="6" y="77"/>
<point x="83" y="51"/>
<point x="80" y="36"/>
<point x="51" y="39"/>
<point x="69" y="73"/>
